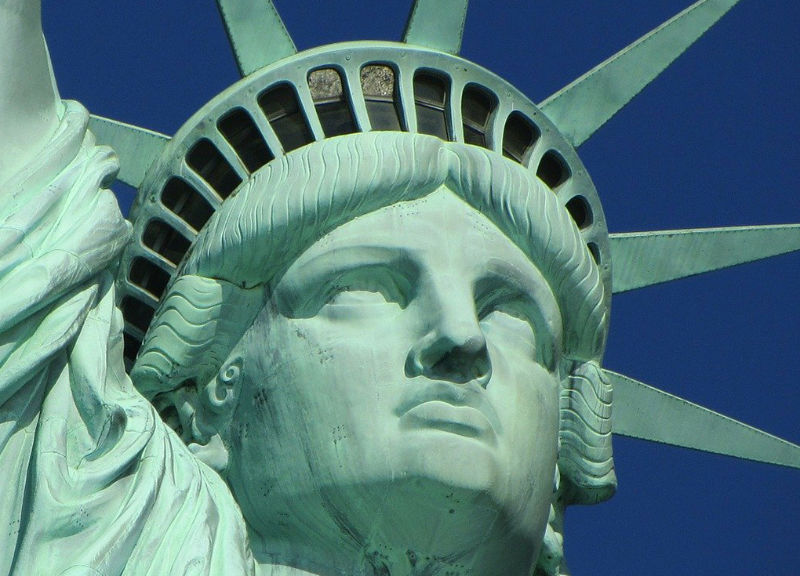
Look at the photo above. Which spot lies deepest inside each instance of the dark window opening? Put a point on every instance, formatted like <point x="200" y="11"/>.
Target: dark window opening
<point x="430" y="97"/>
<point x="169" y="414"/>
<point x="148" y="276"/>
<point x="242" y="133"/>
<point x="336" y="118"/>
<point x="519" y="136"/>
<point x="553" y="170"/>
<point x="383" y="116"/>
<point x="282" y="108"/>
<point x="595" y="251"/>
<point x="137" y="313"/>
<point x="132" y="346"/>
<point x="380" y="96"/>
<point x="210" y="164"/>
<point x="331" y="102"/>
<point x="165" y="240"/>
<point x="580" y="211"/>
<point x="477" y="105"/>
<point x="188" y="204"/>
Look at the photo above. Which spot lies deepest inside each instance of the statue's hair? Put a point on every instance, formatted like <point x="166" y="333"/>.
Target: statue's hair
<point x="585" y="458"/>
<point x="292" y="202"/>
<point x="585" y="435"/>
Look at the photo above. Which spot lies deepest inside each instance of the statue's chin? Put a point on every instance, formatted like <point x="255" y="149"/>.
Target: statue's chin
<point x="409" y="525"/>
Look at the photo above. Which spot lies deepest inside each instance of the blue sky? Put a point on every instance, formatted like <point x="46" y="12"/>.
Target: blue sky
<point x="713" y="142"/>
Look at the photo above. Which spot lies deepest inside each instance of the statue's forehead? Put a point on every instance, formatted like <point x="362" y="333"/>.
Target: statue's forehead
<point x="440" y="235"/>
<point x="441" y="220"/>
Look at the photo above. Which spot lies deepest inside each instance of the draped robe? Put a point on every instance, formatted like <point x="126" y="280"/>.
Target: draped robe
<point x="92" y="482"/>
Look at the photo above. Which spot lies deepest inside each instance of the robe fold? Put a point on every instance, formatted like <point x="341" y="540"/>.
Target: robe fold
<point x="93" y="482"/>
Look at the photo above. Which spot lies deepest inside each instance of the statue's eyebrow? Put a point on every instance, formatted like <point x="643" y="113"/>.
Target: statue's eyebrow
<point x="310" y="276"/>
<point x="337" y="259"/>
<point x="525" y="279"/>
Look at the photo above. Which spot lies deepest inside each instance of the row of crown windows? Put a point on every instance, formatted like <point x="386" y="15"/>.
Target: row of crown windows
<point x="281" y="106"/>
<point x="284" y="112"/>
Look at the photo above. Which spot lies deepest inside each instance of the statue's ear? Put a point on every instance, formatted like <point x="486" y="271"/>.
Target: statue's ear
<point x="214" y="408"/>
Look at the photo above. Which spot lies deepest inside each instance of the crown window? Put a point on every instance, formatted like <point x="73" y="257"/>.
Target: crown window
<point x="282" y="108"/>
<point x="211" y="166"/>
<point x="430" y="96"/>
<point x="519" y="137"/>
<point x="244" y="136"/>
<point x="331" y="102"/>
<point x="477" y="105"/>
<point x="186" y="203"/>
<point x="131" y="347"/>
<point x="137" y="312"/>
<point x="148" y="276"/>
<point x="379" y="86"/>
<point x="578" y="207"/>
<point x="163" y="239"/>
<point x="553" y="170"/>
<point x="594" y="251"/>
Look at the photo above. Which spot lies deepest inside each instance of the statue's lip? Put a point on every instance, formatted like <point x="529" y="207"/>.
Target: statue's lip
<point x="460" y="408"/>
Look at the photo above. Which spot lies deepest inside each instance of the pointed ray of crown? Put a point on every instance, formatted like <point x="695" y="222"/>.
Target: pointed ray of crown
<point x="286" y="100"/>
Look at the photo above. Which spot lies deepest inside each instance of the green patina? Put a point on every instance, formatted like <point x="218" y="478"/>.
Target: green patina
<point x="364" y="297"/>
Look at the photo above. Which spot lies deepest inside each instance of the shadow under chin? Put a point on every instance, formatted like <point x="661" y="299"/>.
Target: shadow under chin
<point x="410" y="525"/>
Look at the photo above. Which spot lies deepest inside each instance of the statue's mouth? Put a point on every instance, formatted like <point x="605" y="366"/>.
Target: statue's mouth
<point x="461" y="420"/>
<point x="462" y="409"/>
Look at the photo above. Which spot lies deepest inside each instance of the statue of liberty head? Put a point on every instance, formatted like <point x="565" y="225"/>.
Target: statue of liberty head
<point x="370" y="285"/>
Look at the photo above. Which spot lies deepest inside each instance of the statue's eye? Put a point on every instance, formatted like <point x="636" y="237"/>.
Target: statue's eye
<point x="368" y="287"/>
<point x="351" y="297"/>
<point x="508" y="320"/>
<point x="344" y="291"/>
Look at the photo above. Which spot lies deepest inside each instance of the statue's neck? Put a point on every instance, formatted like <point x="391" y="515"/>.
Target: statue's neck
<point x="377" y="566"/>
<point x="491" y="556"/>
<point x="279" y="570"/>
<point x="394" y="535"/>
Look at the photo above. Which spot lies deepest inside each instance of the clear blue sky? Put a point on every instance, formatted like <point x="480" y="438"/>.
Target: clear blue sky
<point x="713" y="142"/>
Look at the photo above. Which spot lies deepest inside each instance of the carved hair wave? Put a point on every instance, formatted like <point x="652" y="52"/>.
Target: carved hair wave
<point x="585" y="456"/>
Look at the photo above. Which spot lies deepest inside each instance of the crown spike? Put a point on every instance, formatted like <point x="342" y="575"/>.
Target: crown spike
<point x="641" y="411"/>
<point x="646" y="258"/>
<point x="136" y="147"/>
<point x="437" y="24"/>
<point x="583" y="106"/>
<point x="256" y="33"/>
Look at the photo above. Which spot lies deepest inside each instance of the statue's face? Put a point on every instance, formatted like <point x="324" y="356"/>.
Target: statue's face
<point x="411" y="351"/>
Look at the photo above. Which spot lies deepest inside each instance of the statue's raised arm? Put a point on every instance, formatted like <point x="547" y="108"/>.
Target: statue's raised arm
<point x="82" y="454"/>
<point x="28" y="97"/>
<point x="59" y="229"/>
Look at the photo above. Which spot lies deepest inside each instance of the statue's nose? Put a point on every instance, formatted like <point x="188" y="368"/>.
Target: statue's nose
<point x="454" y="350"/>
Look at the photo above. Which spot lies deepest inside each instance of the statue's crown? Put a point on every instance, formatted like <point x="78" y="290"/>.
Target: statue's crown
<point x="323" y="93"/>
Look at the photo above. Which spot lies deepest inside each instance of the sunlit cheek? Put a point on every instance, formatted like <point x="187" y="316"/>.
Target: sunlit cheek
<point x="526" y="393"/>
<point x="527" y="401"/>
<point x="510" y="339"/>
